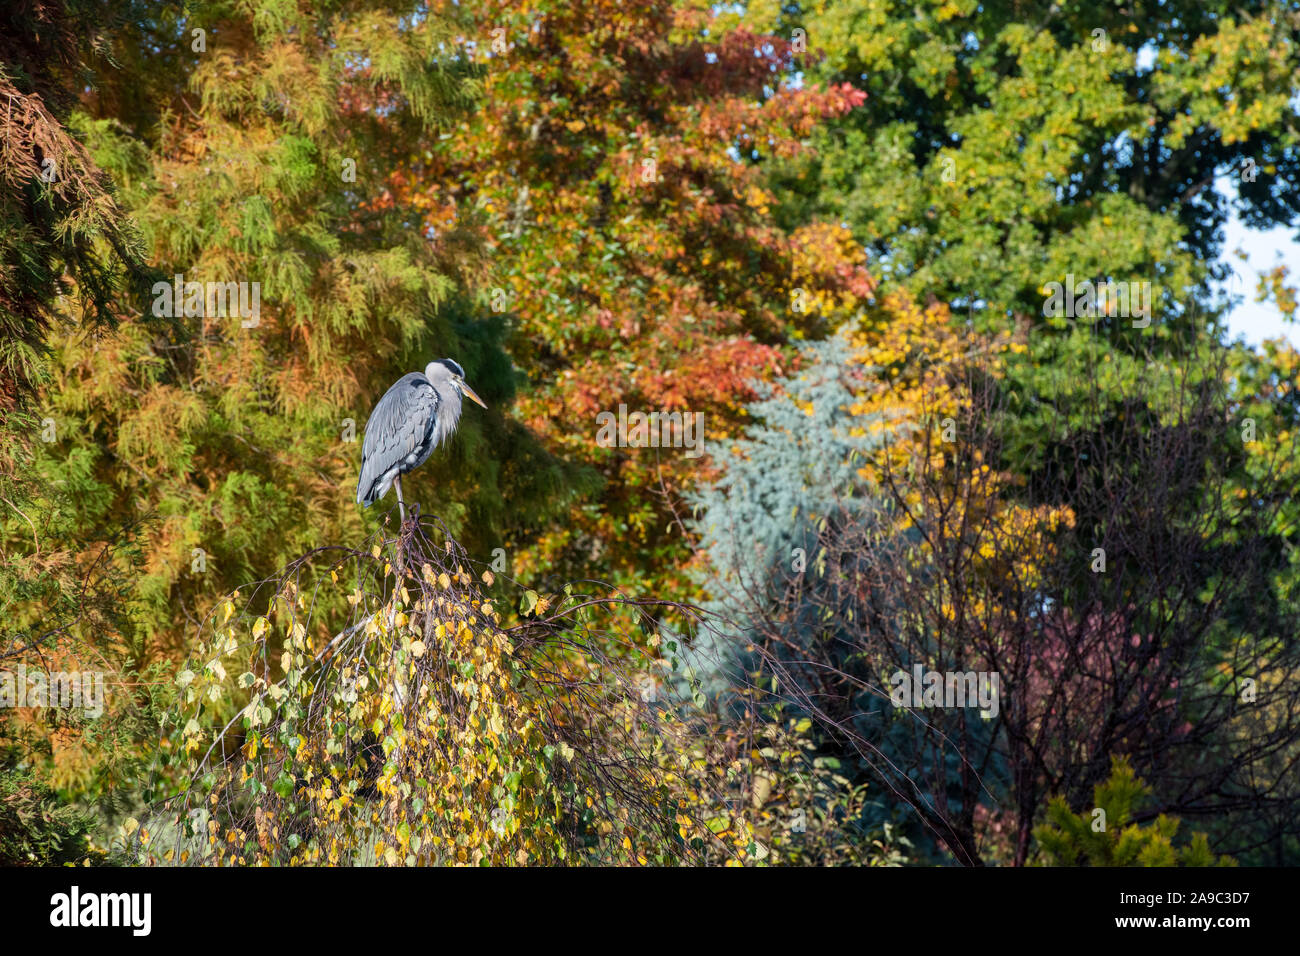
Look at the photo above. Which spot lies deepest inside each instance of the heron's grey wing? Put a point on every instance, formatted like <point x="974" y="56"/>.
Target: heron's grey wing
<point x="396" y="429"/>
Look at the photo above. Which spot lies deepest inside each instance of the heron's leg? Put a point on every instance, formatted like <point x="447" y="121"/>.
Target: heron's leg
<point x="401" y="528"/>
<point x="401" y="505"/>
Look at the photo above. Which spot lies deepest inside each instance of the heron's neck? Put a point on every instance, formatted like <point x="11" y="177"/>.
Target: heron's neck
<point x="448" y="415"/>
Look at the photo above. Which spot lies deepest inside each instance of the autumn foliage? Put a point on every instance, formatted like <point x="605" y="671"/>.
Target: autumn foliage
<point x="828" y="231"/>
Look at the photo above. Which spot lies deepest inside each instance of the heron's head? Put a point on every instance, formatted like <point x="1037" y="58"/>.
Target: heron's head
<point x="444" y="373"/>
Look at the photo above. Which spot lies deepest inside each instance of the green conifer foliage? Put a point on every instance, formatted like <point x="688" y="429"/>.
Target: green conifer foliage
<point x="1107" y="836"/>
<point x="795" y="467"/>
<point x="69" y="256"/>
<point x="36" y="828"/>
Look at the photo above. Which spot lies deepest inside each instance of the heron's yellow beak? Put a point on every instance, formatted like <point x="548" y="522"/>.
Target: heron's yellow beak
<point x="471" y="393"/>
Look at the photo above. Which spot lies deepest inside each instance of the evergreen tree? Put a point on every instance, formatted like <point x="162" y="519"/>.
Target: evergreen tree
<point x="70" y="257"/>
<point x="1107" y="835"/>
<point x="796" y="466"/>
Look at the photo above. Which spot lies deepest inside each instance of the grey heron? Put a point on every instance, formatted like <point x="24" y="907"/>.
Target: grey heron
<point x="415" y="416"/>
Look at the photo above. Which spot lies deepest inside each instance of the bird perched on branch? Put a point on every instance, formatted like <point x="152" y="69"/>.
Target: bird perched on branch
<point x="409" y="422"/>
